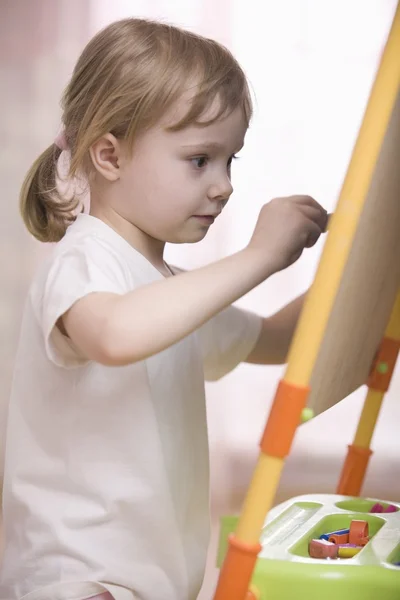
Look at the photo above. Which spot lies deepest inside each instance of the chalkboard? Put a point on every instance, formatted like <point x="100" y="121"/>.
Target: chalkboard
<point x="368" y="287"/>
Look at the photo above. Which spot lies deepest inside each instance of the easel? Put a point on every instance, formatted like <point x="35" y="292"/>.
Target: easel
<point x="374" y="146"/>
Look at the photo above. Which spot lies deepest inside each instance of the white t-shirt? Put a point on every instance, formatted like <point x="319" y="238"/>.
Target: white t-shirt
<point x="106" y="480"/>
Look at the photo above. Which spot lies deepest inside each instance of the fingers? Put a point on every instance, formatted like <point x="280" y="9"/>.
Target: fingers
<point x="316" y="214"/>
<point x="314" y="233"/>
<point x="308" y="201"/>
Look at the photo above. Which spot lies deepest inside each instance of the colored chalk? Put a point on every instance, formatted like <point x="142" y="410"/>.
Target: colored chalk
<point x="376" y="508"/>
<point x="391" y="509"/>
<point x="322" y="549"/>
<point x="348" y="551"/>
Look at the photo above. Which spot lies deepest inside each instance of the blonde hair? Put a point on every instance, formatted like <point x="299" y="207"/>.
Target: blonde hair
<point x="126" y="78"/>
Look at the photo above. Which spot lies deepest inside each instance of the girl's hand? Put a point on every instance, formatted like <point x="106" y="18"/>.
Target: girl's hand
<point x="285" y="227"/>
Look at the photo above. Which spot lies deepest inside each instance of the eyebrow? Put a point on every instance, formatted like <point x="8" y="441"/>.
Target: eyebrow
<point x="207" y="146"/>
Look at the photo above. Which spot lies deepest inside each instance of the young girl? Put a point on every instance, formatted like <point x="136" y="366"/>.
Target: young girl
<point x="106" y="480"/>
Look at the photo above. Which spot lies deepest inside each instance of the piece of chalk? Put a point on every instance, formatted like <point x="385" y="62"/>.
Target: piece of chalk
<point x="390" y="509"/>
<point x="328" y="222"/>
<point x="348" y="552"/>
<point x="322" y="549"/>
<point x="376" y="508"/>
<point x="326" y="536"/>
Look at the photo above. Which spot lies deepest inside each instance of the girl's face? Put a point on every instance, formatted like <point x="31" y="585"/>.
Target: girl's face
<point x="177" y="183"/>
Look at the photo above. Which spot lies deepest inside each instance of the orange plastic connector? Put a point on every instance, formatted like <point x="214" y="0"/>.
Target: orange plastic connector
<point x="363" y="541"/>
<point x="353" y="472"/>
<point x="284" y="419"/>
<point x="237" y="570"/>
<point x="358" y="531"/>
<point x="339" y="538"/>
<point x="383" y="366"/>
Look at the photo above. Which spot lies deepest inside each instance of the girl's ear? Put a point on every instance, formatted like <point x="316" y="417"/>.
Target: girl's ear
<point x="105" y="155"/>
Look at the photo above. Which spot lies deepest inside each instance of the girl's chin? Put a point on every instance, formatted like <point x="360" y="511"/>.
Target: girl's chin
<point x="189" y="236"/>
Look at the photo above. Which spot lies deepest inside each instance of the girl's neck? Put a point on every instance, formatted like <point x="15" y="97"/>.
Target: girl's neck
<point x="149" y="247"/>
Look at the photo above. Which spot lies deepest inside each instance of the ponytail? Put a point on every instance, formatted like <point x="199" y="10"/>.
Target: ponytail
<point x="45" y="212"/>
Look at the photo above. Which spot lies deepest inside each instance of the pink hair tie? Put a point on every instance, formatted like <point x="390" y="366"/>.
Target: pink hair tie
<point x="61" y="141"/>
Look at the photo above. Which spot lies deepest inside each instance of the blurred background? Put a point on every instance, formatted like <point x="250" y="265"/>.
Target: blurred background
<point x="311" y="64"/>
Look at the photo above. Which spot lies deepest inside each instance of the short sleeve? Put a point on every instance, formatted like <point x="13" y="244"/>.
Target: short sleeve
<point x="227" y="340"/>
<point x="90" y="266"/>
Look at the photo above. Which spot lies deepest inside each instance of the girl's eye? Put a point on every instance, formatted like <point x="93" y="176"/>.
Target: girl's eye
<point x="199" y="162"/>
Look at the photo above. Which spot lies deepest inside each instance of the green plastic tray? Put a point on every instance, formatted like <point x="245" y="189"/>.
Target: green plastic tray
<point x="284" y="570"/>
